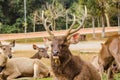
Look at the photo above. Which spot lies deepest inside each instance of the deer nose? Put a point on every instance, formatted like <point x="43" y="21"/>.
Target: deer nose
<point x="55" y="53"/>
<point x="47" y="56"/>
<point x="10" y="56"/>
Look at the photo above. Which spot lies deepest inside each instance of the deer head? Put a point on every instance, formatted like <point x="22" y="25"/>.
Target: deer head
<point x="41" y="52"/>
<point x="60" y="45"/>
<point x="7" y="49"/>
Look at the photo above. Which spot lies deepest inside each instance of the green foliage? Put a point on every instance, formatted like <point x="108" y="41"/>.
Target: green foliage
<point x="9" y="29"/>
<point x="12" y="12"/>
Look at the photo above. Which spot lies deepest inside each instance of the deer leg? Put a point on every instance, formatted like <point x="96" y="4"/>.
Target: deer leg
<point x="101" y="69"/>
<point x="110" y="74"/>
<point x="13" y="75"/>
<point x="36" y="70"/>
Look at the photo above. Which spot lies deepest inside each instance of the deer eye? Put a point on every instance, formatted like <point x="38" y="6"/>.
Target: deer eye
<point x="62" y="45"/>
<point x="51" y="45"/>
<point x="10" y="48"/>
<point x="4" y="49"/>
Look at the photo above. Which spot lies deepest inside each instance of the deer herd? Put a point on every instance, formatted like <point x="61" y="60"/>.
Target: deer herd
<point x="64" y="65"/>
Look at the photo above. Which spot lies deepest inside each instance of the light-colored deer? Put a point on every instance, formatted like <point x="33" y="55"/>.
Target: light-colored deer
<point x="22" y="67"/>
<point x="66" y="66"/>
<point x="7" y="49"/>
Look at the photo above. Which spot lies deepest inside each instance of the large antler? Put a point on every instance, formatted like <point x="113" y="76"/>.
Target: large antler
<point x="69" y="32"/>
<point x="46" y="24"/>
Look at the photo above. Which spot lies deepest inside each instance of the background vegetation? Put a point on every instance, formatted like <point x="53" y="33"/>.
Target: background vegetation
<point x="100" y="13"/>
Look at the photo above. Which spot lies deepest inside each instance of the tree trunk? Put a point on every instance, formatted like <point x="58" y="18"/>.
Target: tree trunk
<point x="34" y="21"/>
<point x="93" y="24"/>
<point x="54" y="25"/>
<point x="107" y="20"/>
<point x="102" y="19"/>
<point x="103" y="26"/>
<point x="98" y="21"/>
<point x="66" y="19"/>
<point x="118" y="24"/>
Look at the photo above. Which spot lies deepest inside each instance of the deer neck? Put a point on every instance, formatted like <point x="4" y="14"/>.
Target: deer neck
<point x="36" y="56"/>
<point x="65" y="57"/>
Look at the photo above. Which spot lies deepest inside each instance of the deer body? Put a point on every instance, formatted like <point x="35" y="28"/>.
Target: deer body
<point x="66" y="66"/>
<point x="17" y="67"/>
<point x="70" y="67"/>
<point x="109" y="52"/>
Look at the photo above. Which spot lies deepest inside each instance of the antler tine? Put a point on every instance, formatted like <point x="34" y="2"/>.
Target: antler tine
<point x="82" y="23"/>
<point x="68" y="32"/>
<point x="46" y="26"/>
<point x="83" y="20"/>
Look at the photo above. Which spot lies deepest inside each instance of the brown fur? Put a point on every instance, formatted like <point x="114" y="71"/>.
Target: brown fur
<point x="7" y="49"/>
<point x="68" y="66"/>
<point x="94" y="62"/>
<point x="113" y="69"/>
<point x="109" y="52"/>
<point x="17" y="67"/>
<point x="41" y="52"/>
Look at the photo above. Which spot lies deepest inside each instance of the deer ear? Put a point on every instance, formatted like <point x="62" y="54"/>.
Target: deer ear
<point x="75" y="38"/>
<point x="35" y="47"/>
<point x="12" y="43"/>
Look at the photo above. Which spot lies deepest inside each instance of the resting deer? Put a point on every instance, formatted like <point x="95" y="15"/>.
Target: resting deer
<point x="66" y="66"/>
<point x="42" y="52"/>
<point x="7" y="49"/>
<point x="22" y="67"/>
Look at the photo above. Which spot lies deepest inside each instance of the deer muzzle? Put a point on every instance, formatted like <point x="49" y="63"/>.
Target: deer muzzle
<point x="55" y="53"/>
<point x="10" y="56"/>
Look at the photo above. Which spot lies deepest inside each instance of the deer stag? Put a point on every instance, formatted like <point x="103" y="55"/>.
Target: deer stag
<point x="66" y="66"/>
<point x="7" y="49"/>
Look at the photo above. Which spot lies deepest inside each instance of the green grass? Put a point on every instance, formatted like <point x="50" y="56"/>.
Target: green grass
<point x="28" y="40"/>
<point x="117" y="77"/>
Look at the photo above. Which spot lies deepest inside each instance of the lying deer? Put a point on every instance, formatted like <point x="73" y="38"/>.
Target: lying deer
<point x="66" y="66"/>
<point x="42" y="52"/>
<point x="25" y="67"/>
<point x="7" y="49"/>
